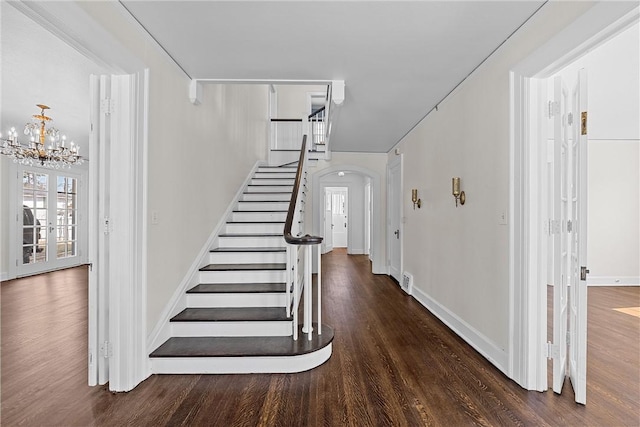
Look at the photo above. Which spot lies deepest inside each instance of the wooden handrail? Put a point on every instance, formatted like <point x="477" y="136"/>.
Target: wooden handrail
<point x="315" y="113"/>
<point x="288" y="237"/>
<point x="286" y="120"/>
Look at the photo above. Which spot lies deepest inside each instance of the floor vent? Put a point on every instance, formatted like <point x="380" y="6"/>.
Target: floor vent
<point x="407" y="283"/>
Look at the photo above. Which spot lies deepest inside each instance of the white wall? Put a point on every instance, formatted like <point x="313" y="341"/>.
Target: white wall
<point x="198" y="155"/>
<point x="613" y="75"/>
<point x="459" y="257"/>
<point x="293" y="100"/>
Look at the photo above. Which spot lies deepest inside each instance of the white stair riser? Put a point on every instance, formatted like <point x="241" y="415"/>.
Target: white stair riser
<point x="292" y="168"/>
<point x="258" y="216"/>
<point x="247" y="257"/>
<point x="240" y="365"/>
<point x="281" y="328"/>
<point x="254" y="228"/>
<point x="262" y="206"/>
<point x="270" y="188"/>
<point x="260" y="276"/>
<point x="262" y="197"/>
<point x="276" y="299"/>
<point x="251" y="242"/>
<point x="269" y="174"/>
<point x="271" y="181"/>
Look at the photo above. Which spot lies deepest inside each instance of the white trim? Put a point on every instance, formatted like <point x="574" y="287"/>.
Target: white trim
<point x="527" y="313"/>
<point x="71" y="24"/>
<point x="475" y="339"/>
<point x="241" y="365"/>
<point x="178" y="302"/>
<point x="613" y="281"/>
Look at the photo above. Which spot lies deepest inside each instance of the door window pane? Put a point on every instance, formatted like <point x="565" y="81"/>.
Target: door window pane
<point x="34" y="214"/>
<point x="66" y="217"/>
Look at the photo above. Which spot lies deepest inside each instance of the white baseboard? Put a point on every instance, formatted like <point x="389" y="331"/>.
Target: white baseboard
<point x="613" y="281"/>
<point x="475" y="339"/>
<point x="178" y="302"/>
<point x="4" y="276"/>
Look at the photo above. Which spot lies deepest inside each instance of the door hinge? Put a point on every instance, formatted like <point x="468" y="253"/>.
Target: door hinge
<point x="554" y="108"/>
<point x="552" y="350"/>
<point x="106" y="350"/>
<point x="583" y="123"/>
<point x="569" y="226"/>
<point x="107" y="225"/>
<point x="107" y="106"/>
<point x="570" y="119"/>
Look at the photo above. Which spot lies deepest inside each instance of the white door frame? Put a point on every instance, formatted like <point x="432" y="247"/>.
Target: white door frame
<point x="126" y="349"/>
<point x="395" y="162"/>
<point x="528" y="257"/>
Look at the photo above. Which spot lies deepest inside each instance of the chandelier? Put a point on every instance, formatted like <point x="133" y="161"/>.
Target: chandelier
<point x="57" y="154"/>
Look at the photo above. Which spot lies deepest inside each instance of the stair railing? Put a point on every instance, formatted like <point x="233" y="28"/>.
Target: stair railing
<point x="300" y="254"/>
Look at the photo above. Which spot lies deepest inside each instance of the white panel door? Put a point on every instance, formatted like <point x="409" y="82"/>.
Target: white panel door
<point x="394" y="212"/>
<point x="578" y="289"/>
<point x="339" y="214"/>
<point x="559" y="230"/>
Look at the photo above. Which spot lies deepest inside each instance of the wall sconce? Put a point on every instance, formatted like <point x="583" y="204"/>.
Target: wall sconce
<point x="459" y="195"/>
<point x="414" y="198"/>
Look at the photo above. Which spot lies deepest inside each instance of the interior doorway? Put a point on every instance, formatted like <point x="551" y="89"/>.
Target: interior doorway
<point x="610" y="166"/>
<point x="530" y="225"/>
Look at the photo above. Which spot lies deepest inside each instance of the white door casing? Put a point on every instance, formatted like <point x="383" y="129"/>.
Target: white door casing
<point x="394" y="215"/>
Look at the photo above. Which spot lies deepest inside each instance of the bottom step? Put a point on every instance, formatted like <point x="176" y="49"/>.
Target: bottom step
<point x="242" y="355"/>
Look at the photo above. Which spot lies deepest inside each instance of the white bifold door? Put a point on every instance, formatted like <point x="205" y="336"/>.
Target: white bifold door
<point x="569" y="230"/>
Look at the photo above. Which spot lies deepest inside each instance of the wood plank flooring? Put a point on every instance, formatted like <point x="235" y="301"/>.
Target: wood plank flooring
<point x="393" y="363"/>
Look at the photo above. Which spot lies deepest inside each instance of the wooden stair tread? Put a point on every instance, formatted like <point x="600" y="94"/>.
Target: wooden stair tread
<point x="274" y="249"/>
<point x="244" y="314"/>
<point x="244" y="346"/>
<point x="238" y="288"/>
<point x="244" y="267"/>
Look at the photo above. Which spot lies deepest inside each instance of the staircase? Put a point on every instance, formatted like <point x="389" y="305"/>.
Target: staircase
<point x="236" y="318"/>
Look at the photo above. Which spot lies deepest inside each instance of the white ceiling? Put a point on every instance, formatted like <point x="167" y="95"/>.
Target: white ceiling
<point x="38" y="68"/>
<point x="398" y="59"/>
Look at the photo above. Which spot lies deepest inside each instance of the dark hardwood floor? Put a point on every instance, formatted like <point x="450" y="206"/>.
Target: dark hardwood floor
<point x="393" y="363"/>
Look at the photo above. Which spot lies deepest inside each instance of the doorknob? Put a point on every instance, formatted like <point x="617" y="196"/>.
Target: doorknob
<point x="397" y="233"/>
<point x="50" y="228"/>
